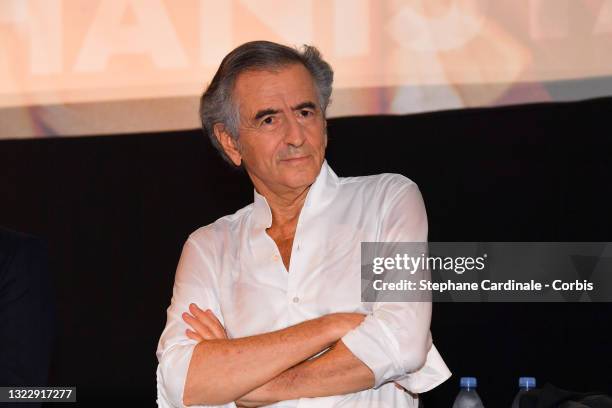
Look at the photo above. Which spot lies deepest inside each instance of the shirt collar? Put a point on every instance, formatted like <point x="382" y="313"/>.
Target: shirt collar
<point x="320" y="193"/>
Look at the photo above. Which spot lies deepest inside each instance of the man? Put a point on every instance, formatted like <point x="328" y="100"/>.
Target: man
<point x="266" y="305"/>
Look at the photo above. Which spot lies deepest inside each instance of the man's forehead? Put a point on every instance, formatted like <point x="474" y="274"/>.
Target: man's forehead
<point x="291" y="84"/>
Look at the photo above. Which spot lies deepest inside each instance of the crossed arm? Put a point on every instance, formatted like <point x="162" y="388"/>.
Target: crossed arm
<point x="263" y="369"/>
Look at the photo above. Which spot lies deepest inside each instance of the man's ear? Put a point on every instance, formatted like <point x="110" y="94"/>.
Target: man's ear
<point x="228" y="143"/>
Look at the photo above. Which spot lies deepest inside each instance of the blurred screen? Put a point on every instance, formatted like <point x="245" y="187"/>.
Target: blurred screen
<point x="74" y="67"/>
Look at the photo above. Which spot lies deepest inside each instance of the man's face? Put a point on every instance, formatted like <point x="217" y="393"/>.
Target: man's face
<point x="282" y="133"/>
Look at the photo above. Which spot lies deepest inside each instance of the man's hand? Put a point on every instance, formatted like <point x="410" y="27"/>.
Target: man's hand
<point x="204" y="323"/>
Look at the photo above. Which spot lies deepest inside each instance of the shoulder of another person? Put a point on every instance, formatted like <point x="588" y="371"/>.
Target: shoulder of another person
<point x="12" y="242"/>
<point x="18" y="252"/>
<point x="9" y="242"/>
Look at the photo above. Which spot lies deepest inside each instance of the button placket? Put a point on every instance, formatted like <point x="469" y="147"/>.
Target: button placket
<point x="292" y="290"/>
<point x="295" y="268"/>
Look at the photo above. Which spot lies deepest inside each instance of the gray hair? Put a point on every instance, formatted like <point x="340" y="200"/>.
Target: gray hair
<point x="216" y="104"/>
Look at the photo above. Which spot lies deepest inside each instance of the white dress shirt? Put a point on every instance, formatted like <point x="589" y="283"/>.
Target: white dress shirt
<point x="234" y="268"/>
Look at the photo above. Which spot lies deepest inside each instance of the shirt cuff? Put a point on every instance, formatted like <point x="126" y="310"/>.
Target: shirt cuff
<point x="171" y="375"/>
<point x="373" y="343"/>
<point x="432" y="374"/>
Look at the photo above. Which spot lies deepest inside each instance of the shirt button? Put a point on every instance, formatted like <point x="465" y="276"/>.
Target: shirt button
<point x="275" y="257"/>
<point x="296" y="299"/>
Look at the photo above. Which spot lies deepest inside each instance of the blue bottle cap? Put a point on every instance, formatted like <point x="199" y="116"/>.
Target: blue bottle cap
<point x="468" y="382"/>
<point x="527" y="382"/>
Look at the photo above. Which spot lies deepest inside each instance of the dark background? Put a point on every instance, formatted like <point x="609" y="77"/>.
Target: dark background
<point x="115" y="211"/>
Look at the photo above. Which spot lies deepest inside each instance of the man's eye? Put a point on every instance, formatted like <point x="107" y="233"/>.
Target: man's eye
<point x="305" y="113"/>
<point x="268" y="121"/>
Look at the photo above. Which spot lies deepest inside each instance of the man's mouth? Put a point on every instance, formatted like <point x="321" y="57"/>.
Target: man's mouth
<point x="296" y="159"/>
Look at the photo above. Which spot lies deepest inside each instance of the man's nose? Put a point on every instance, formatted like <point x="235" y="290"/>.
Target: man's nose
<point x="294" y="133"/>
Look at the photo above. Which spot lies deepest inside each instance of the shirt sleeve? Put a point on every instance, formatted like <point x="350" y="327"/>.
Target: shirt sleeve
<point x="194" y="282"/>
<point x="394" y="339"/>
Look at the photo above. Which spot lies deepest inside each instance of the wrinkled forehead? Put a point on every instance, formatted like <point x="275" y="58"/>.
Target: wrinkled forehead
<point x="274" y="88"/>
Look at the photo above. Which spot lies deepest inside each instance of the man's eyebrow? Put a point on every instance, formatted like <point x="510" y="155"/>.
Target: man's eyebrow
<point x="269" y="111"/>
<point x="265" y="112"/>
<point x="304" y="105"/>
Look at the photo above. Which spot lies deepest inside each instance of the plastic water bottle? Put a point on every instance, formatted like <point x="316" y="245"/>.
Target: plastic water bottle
<point x="467" y="397"/>
<point x="525" y="384"/>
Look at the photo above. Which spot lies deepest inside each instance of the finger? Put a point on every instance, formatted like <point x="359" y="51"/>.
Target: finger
<point x="218" y="327"/>
<point x="198" y="326"/>
<point x="209" y="319"/>
<point x="193" y="335"/>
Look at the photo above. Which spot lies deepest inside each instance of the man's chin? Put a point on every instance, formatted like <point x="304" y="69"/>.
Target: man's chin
<point x="301" y="173"/>
<point x="301" y="179"/>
